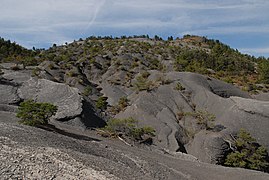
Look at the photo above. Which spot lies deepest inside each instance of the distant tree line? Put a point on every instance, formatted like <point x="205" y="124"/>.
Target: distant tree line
<point x="12" y="52"/>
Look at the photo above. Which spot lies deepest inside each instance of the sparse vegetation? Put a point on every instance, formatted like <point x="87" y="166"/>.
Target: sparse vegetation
<point x="127" y="127"/>
<point x="203" y="118"/>
<point x="87" y="91"/>
<point x="248" y="153"/>
<point x="206" y="57"/>
<point x="122" y="104"/>
<point x="101" y="103"/>
<point x="34" y="114"/>
<point x="142" y="83"/>
<point x="179" y="87"/>
<point x="126" y="64"/>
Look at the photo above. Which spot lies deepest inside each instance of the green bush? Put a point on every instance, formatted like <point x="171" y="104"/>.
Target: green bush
<point x="128" y="127"/>
<point x="142" y="84"/>
<point x="34" y="114"/>
<point x="248" y="153"/>
<point x="203" y="118"/>
<point x="101" y="103"/>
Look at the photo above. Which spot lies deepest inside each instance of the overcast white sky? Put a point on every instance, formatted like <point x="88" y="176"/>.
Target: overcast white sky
<point x="242" y="24"/>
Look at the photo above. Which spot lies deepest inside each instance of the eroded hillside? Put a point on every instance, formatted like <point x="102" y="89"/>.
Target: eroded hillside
<point x="194" y="92"/>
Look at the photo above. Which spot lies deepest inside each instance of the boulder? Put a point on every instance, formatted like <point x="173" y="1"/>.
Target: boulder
<point x="67" y="99"/>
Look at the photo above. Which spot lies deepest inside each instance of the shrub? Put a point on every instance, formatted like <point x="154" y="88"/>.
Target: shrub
<point x="148" y="130"/>
<point x="142" y="84"/>
<point x="203" y="118"/>
<point x="122" y="104"/>
<point x="248" y="153"/>
<point x="179" y="87"/>
<point x="87" y="90"/>
<point x="34" y="114"/>
<point x="101" y="103"/>
<point x="128" y="127"/>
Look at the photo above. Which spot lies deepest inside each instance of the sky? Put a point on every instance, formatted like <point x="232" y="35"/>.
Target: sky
<point x="242" y="24"/>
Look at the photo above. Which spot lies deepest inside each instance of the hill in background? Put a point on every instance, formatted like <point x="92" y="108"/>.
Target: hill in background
<point x="194" y="93"/>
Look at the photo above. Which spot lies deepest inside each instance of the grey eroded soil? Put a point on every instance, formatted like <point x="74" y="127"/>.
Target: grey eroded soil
<point x="32" y="153"/>
<point x="73" y="151"/>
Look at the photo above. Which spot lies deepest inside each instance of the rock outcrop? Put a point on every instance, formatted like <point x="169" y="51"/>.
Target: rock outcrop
<point x="16" y="86"/>
<point x="67" y="99"/>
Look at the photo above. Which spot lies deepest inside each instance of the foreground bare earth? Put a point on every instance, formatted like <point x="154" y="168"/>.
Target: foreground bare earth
<point x="32" y="153"/>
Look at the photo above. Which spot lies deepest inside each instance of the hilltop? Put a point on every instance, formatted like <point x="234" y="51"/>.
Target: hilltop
<point x="190" y="53"/>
